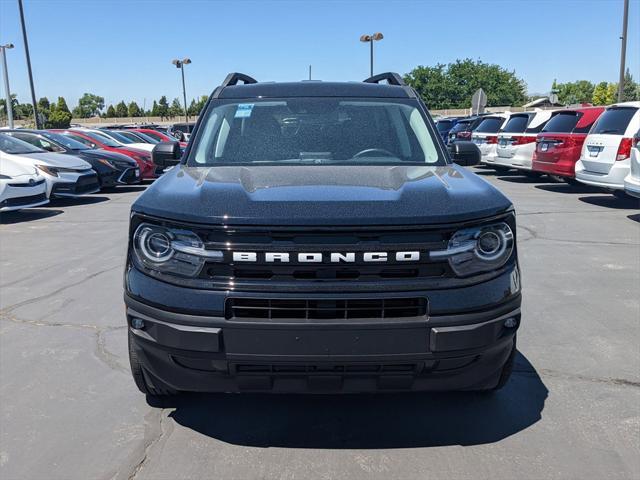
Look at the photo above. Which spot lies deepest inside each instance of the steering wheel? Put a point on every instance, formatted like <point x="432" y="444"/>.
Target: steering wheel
<point x="367" y="152"/>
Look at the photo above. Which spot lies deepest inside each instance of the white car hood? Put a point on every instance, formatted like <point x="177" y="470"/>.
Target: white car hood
<point x="141" y="146"/>
<point x="53" y="160"/>
<point x="12" y="168"/>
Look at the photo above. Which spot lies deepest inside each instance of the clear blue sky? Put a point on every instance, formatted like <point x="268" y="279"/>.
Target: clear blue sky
<point x="122" y="50"/>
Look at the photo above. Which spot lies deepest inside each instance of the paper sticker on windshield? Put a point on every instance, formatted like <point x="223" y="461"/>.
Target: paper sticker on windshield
<point x="244" y="110"/>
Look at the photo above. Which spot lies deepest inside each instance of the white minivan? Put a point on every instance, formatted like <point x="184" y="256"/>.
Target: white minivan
<point x="485" y="136"/>
<point x="605" y="157"/>
<point x="517" y="140"/>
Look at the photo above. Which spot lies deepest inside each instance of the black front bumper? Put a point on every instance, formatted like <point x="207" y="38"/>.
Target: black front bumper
<point x="204" y="352"/>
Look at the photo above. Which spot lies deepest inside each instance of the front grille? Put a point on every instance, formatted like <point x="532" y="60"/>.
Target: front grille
<point x="325" y="309"/>
<point x="327" y="369"/>
<point x="86" y="183"/>
<point x="18" y="185"/>
<point x="18" y="201"/>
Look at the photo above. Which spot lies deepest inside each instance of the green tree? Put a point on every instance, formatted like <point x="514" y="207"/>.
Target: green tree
<point x="121" y="110"/>
<point x="59" y="119"/>
<point x="62" y="105"/>
<point x="580" y="91"/>
<point x="154" y="109"/>
<point x="196" y="106"/>
<point x="629" y="88"/>
<point x="163" y="107"/>
<point x="453" y="85"/>
<point x="175" y="109"/>
<point x="89" y="105"/>
<point x="134" y="110"/>
<point x="600" y="94"/>
<point x="44" y="105"/>
<point x="111" y="112"/>
<point x="612" y="93"/>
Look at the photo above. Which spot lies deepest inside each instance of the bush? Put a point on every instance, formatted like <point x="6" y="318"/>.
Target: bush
<point x="59" y="119"/>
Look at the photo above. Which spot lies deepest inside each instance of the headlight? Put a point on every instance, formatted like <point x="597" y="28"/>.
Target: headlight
<point x="48" y="170"/>
<point x="170" y="250"/>
<point x="476" y="250"/>
<point x="106" y="162"/>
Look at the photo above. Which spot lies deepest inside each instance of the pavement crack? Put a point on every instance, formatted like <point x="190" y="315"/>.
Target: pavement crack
<point x="157" y="429"/>
<point x="57" y="290"/>
<point x="101" y="351"/>
<point x="545" y="372"/>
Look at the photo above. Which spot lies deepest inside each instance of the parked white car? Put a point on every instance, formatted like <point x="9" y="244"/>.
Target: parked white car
<point x="485" y="136"/>
<point x="605" y="159"/>
<point x="20" y="186"/>
<point x="121" y="139"/>
<point x="65" y="175"/>
<point x="632" y="181"/>
<point x="517" y="140"/>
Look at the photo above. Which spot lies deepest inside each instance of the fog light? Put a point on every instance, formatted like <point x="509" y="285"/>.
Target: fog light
<point x="510" y="322"/>
<point x="137" y="323"/>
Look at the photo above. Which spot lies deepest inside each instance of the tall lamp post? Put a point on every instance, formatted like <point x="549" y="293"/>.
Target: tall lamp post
<point x="26" y="52"/>
<point x="371" y="38"/>
<point x="623" y="49"/>
<point x="180" y="64"/>
<point x="6" y="82"/>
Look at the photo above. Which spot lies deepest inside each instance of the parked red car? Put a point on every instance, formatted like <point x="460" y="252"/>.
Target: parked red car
<point x="142" y="158"/>
<point x="158" y="136"/>
<point x="559" y="143"/>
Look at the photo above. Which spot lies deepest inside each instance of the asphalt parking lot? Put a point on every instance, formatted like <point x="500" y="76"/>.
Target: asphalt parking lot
<point x="70" y="410"/>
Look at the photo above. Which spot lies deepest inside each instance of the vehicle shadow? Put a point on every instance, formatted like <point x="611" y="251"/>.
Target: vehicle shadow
<point x="566" y="188"/>
<point x="402" y="420"/>
<point x="27" y="215"/>
<point x="609" y="201"/>
<point x="84" y="200"/>
<point x="635" y="218"/>
<point x="126" y="189"/>
<point x="520" y="178"/>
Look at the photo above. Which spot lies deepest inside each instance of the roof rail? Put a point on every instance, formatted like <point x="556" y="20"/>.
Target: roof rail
<point x="392" y="78"/>
<point x="232" y="79"/>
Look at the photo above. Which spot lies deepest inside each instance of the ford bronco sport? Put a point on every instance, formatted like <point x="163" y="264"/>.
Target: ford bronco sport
<point x="316" y="237"/>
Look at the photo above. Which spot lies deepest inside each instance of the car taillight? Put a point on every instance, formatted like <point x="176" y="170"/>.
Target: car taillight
<point x="624" y="149"/>
<point x="492" y="139"/>
<point x="464" y="135"/>
<point x="523" y="140"/>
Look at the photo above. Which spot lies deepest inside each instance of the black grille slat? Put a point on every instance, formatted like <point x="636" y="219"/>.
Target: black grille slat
<point x="331" y="309"/>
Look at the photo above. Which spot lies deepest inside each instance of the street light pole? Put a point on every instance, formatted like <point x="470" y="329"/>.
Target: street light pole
<point x="3" y="49"/>
<point x="371" y="38"/>
<point x="623" y="50"/>
<point x="26" y="51"/>
<point x="180" y="64"/>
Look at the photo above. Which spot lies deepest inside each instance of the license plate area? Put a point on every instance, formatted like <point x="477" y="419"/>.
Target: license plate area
<point x="594" y="151"/>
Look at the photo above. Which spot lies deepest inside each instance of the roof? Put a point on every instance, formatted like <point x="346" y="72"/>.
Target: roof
<point x="314" y="89"/>
<point x="540" y="101"/>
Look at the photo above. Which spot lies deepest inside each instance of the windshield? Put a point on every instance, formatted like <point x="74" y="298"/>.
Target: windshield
<point x="103" y="139"/>
<point x="516" y="124"/>
<point x="563" y="122"/>
<point x="490" y="125"/>
<point x="8" y="144"/>
<point x="65" y="140"/>
<point x="118" y="137"/>
<point x="315" y="131"/>
<point x="614" y="121"/>
<point x="144" y="137"/>
<point x="155" y="137"/>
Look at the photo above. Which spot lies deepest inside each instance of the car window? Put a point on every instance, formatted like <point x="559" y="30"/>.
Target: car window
<point x="15" y="146"/>
<point x="37" y="141"/>
<point x="103" y="139"/>
<point x="315" y="131"/>
<point x="563" y="122"/>
<point x="490" y="125"/>
<point x="460" y="127"/>
<point x="516" y="124"/>
<point x="444" y="125"/>
<point x="147" y="138"/>
<point x="65" y="140"/>
<point x="116" y="136"/>
<point x="614" y="121"/>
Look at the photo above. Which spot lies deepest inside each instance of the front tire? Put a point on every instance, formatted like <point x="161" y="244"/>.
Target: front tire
<point x="621" y="194"/>
<point x="138" y="373"/>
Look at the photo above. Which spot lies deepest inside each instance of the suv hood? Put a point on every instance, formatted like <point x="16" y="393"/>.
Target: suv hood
<point x="11" y="168"/>
<point x="321" y="195"/>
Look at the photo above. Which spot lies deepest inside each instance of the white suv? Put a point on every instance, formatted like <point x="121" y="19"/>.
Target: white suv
<point x="485" y="136"/>
<point x="605" y="157"/>
<point x="632" y="181"/>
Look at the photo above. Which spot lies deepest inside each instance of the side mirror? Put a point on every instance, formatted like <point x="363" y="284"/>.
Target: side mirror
<point x="466" y="154"/>
<point x="166" y="154"/>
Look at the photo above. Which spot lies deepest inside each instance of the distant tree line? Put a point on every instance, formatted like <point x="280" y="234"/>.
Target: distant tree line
<point x="603" y="93"/>
<point x="58" y="115"/>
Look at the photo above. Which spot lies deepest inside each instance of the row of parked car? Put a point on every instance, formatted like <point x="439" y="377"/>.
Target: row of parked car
<point x="595" y="146"/>
<point x="37" y="165"/>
